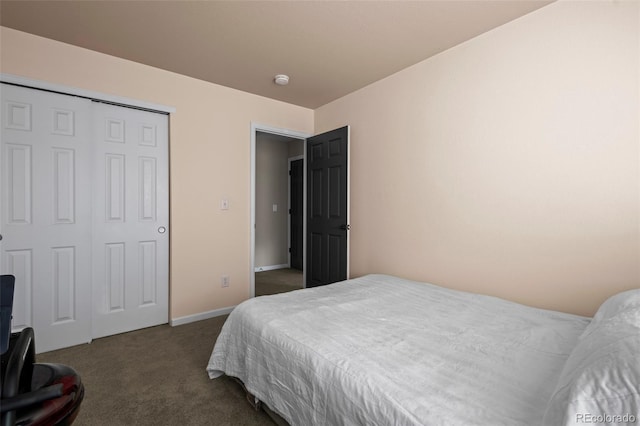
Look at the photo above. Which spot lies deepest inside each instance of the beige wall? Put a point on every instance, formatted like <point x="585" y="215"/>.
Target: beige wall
<point x="507" y="165"/>
<point x="209" y="157"/>
<point x="272" y="180"/>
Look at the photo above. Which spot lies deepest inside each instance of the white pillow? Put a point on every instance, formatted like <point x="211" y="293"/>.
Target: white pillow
<point x="600" y="381"/>
<point x="627" y="300"/>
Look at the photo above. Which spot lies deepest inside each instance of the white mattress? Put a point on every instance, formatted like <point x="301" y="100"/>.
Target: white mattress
<point x="380" y="350"/>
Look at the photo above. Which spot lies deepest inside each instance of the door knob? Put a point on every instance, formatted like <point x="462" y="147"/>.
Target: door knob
<point x="162" y="230"/>
<point x="345" y="227"/>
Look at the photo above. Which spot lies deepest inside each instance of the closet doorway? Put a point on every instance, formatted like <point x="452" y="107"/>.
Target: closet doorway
<point x="84" y="215"/>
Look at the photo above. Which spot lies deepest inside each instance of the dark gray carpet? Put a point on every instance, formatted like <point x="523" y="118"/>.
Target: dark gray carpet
<point x="278" y="281"/>
<point x="156" y="376"/>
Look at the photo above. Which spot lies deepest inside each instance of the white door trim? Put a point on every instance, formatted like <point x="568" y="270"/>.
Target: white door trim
<point x="256" y="127"/>
<point x="90" y="94"/>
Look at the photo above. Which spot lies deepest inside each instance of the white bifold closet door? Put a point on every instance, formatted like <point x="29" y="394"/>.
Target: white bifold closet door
<point x="84" y="216"/>
<point x="131" y="216"/>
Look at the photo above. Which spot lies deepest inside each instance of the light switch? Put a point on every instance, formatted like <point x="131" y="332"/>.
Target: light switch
<point x="224" y="204"/>
<point x="275" y="208"/>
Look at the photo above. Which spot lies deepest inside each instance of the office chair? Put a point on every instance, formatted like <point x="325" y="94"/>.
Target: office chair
<point x="31" y="393"/>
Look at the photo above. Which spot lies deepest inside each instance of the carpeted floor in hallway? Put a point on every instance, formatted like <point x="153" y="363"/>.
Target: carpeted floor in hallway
<point x="278" y="281"/>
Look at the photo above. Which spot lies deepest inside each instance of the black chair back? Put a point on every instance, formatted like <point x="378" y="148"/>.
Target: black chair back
<point x="7" y="285"/>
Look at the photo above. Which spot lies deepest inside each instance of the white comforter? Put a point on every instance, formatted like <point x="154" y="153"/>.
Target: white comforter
<point x="380" y="350"/>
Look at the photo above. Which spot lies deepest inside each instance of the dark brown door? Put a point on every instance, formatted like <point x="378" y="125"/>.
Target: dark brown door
<point x="327" y="213"/>
<point x="296" y="213"/>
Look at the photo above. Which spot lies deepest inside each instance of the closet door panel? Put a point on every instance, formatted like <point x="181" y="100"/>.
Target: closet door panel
<point x="46" y="213"/>
<point x="131" y="208"/>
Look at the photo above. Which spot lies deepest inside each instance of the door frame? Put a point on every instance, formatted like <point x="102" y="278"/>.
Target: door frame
<point x="289" y="161"/>
<point x="62" y="89"/>
<point x="255" y="128"/>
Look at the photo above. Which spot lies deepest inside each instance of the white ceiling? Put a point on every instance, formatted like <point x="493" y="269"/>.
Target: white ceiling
<point x="328" y="48"/>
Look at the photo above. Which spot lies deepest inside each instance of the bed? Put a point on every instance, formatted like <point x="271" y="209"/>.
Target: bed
<point x="381" y="350"/>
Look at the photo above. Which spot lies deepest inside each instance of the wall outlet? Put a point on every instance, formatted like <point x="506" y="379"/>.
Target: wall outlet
<point x="224" y="281"/>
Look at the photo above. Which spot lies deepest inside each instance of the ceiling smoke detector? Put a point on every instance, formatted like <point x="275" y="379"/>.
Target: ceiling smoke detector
<point x="281" y="79"/>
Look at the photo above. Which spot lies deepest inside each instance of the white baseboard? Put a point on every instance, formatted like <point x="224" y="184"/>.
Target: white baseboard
<point x="270" y="268"/>
<point x="201" y="316"/>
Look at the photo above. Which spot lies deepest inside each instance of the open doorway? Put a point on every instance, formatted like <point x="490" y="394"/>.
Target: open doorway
<point x="277" y="209"/>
